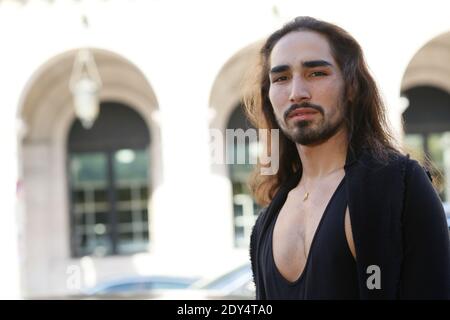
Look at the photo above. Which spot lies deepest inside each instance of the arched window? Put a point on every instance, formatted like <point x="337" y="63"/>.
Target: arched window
<point x="244" y="207"/>
<point x="427" y="131"/>
<point x="109" y="183"/>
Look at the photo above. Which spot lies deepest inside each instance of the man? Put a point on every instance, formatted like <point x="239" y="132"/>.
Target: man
<point x="347" y="216"/>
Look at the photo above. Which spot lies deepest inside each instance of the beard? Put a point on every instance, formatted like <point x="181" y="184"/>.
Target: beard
<point x="312" y="132"/>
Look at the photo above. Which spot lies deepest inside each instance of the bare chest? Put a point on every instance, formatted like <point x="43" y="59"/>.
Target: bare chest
<point x="296" y="226"/>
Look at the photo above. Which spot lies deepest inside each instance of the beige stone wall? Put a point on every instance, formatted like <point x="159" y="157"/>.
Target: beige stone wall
<point x="179" y="63"/>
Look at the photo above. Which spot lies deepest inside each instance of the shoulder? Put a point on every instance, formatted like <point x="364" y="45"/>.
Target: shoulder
<point x="421" y="200"/>
<point x="391" y="164"/>
<point x="410" y="168"/>
<point x="418" y="171"/>
<point x="418" y="177"/>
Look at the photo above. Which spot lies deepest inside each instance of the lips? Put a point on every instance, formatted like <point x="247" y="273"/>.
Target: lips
<point x="303" y="113"/>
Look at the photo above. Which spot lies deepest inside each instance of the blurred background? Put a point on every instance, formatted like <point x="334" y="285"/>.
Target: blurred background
<point x="108" y="180"/>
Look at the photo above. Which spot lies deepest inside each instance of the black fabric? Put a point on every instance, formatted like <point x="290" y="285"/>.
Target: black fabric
<point x="330" y="269"/>
<point x="398" y="224"/>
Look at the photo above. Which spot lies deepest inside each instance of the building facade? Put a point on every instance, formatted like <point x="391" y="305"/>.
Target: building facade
<point x="141" y="192"/>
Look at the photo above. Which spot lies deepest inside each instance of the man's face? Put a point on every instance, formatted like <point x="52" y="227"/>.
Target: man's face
<point x="306" y="88"/>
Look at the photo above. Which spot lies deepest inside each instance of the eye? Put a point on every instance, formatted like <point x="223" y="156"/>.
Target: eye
<point x="317" y="74"/>
<point x="278" y="79"/>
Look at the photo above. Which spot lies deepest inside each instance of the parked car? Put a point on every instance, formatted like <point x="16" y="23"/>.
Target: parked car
<point x="137" y="286"/>
<point x="236" y="284"/>
<point x="238" y="281"/>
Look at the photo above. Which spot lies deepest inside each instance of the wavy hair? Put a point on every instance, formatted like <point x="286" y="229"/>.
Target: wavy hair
<point x="365" y="115"/>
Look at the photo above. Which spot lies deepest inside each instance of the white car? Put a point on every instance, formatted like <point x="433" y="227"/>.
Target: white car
<point x="236" y="284"/>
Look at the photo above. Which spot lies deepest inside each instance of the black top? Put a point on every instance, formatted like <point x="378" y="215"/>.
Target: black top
<point x="398" y="225"/>
<point x="330" y="269"/>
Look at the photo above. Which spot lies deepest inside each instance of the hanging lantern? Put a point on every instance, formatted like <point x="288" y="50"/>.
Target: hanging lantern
<point x="85" y="84"/>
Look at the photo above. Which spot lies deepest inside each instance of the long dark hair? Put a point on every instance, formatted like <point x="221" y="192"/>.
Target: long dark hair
<point x="365" y="116"/>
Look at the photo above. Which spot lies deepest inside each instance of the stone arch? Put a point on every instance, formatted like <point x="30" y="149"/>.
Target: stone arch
<point x="225" y="101"/>
<point x="226" y="92"/>
<point x="426" y="67"/>
<point x="47" y="114"/>
<point x="426" y="114"/>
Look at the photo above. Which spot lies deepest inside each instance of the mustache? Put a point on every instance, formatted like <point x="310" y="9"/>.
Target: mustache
<point x="302" y="105"/>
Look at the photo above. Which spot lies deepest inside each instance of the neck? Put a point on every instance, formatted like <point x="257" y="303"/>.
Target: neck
<point x="322" y="159"/>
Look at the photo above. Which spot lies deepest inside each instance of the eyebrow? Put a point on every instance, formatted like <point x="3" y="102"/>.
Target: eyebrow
<point x="306" y="64"/>
<point x="316" y="63"/>
<point x="280" y="68"/>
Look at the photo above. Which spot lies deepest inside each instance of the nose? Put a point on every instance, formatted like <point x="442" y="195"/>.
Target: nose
<point x="299" y="90"/>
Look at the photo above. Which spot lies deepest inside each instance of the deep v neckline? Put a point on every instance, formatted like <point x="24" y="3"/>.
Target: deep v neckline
<point x="302" y="273"/>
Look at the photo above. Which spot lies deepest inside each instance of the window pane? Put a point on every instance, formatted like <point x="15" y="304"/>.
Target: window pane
<point x="131" y="182"/>
<point x="88" y="168"/>
<point x="123" y="194"/>
<point x="88" y="174"/>
<point x="125" y="217"/>
<point x="131" y="165"/>
<point x="436" y="146"/>
<point x="100" y="195"/>
<point x="244" y="207"/>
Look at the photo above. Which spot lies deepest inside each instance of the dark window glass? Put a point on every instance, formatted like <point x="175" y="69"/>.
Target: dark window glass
<point x="244" y="207"/>
<point x="108" y="182"/>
